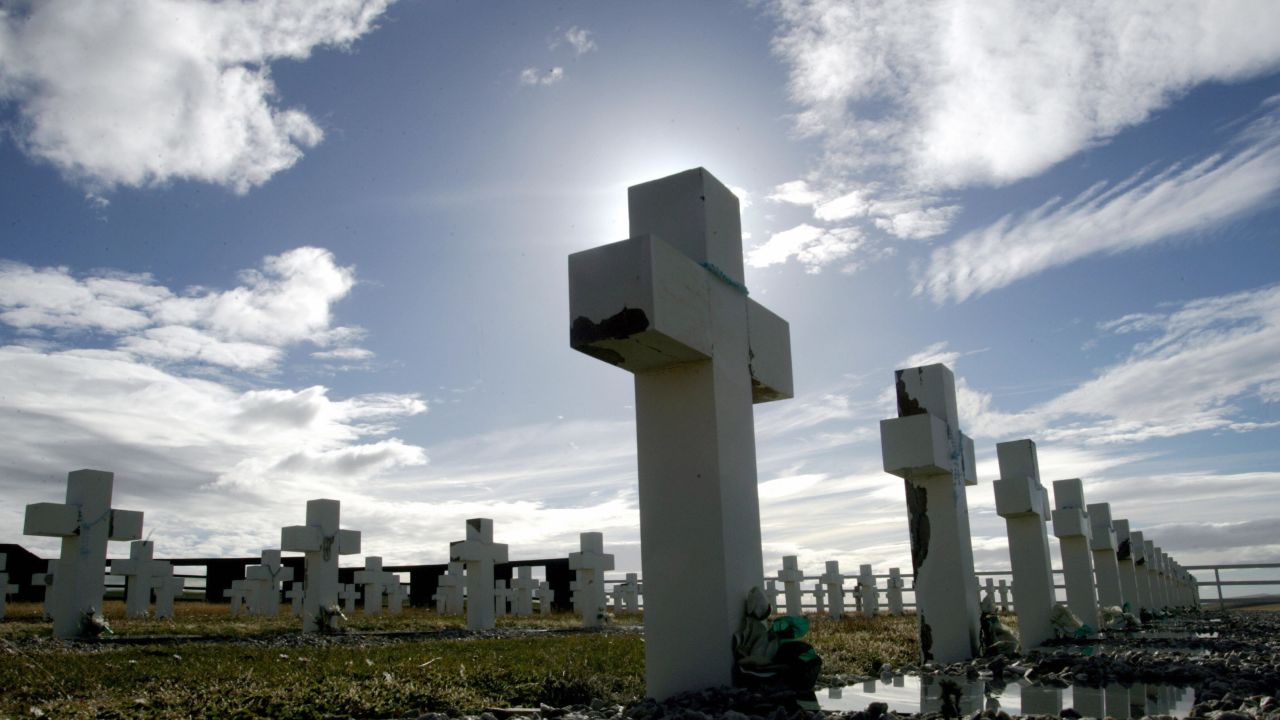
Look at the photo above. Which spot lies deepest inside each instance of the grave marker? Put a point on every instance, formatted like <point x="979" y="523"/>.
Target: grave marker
<point x="1155" y="566"/>
<point x="267" y="579"/>
<point x="237" y="595"/>
<point x="168" y="587"/>
<point x="1024" y="504"/>
<point x="1071" y="525"/>
<point x="478" y="553"/>
<point x="790" y="575"/>
<point x="449" y="592"/>
<point x="1102" y="541"/>
<point x="869" y="592"/>
<point x="925" y="447"/>
<point x="1138" y="548"/>
<point x="522" y="588"/>
<point x="5" y="587"/>
<point x="1004" y="596"/>
<point x="893" y="591"/>
<point x="140" y="571"/>
<point x="47" y="578"/>
<point x="1124" y="564"/>
<point x="295" y="596"/>
<point x="834" y="583"/>
<point x="819" y="595"/>
<point x="589" y="566"/>
<point x="396" y="594"/>
<point x="669" y="305"/>
<point x="545" y="597"/>
<point x="348" y="595"/>
<point x="772" y="592"/>
<point x="373" y="582"/>
<point x="501" y="597"/>
<point x="322" y="541"/>
<point x="85" y="523"/>
<point x="631" y="592"/>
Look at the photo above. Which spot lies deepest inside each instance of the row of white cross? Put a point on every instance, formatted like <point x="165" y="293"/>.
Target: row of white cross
<point x="829" y="593"/>
<point x="1104" y="563"/>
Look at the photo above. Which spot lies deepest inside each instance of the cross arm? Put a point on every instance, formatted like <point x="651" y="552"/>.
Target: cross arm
<point x="920" y="446"/>
<point x="770" y="354"/>
<point x="300" y="538"/>
<point x="348" y="542"/>
<point x="125" y="525"/>
<point x="51" y="520"/>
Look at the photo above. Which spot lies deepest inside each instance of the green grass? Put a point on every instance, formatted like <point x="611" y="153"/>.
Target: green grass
<point x="264" y="667"/>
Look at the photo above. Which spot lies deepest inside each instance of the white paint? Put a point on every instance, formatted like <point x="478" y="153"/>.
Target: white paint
<point x="1023" y="502"/>
<point x="85" y="523"/>
<point x="925" y="447"/>
<point x="668" y="305"/>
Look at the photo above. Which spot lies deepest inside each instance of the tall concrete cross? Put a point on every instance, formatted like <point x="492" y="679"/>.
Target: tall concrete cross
<point x="449" y="590"/>
<point x="268" y="578"/>
<point x="790" y="575"/>
<point x="168" y="588"/>
<point x="925" y="447"/>
<point x="85" y="523"/>
<point x="893" y="591"/>
<point x="834" y="583"/>
<point x="522" y="587"/>
<point x="1138" y="548"/>
<point x="322" y="541"/>
<point x="478" y="554"/>
<point x="374" y="582"/>
<point x="1024" y="504"/>
<point x="870" y="593"/>
<point x="1072" y="527"/>
<point x="1124" y="562"/>
<point x="1106" y="569"/>
<point x="670" y="305"/>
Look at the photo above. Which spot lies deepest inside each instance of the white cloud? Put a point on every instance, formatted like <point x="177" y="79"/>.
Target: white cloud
<point x="580" y="39"/>
<point x="142" y="92"/>
<point x="1205" y="360"/>
<point x="247" y="327"/>
<point x="346" y="353"/>
<point x="532" y="76"/>
<point x="950" y="94"/>
<point x="796" y="192"/>
<point x="935" y="353"/>
<point x="1139" y="211"/>
<point x="812" y="246"/>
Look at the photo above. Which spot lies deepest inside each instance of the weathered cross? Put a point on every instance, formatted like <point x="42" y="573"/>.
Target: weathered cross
<point x="168" y="588"/>
<point x="322" y="541"/>
<point x="870" y="593"/>
<point x="631" y="592"/>
<point x="5" y="586"/>
<point x="85" y="523"/>
<point x="348" y="595"/>
<point x="925" y="447"/>
<point x="670" y="306"/>
<point x="590" y="565"/>
<point x="295" y="595"/>
<point x="893" y="591"/>
<point x="1024" y="504"/>
<point x="501" y="598"/>
<point x="478" y="554"/>
<point x="47" y="579"/>
<point x="449" y="590"/>
<point x="545" y="597"/>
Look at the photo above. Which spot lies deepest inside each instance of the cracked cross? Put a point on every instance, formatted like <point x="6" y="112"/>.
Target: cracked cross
<point x="670" y="306"/>
<point x="85" y="523"/>
<point x="924" y="447"/>
<point x="322" y="542"/>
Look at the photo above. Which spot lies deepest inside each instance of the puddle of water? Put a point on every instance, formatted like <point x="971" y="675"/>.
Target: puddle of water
<point x="913" y="694"/>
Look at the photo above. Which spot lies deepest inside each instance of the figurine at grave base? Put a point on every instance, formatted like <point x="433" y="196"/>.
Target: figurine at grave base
<point x="1066" y="624"/>
<point x="997" y="638"/>
<point x="773" y="656"/>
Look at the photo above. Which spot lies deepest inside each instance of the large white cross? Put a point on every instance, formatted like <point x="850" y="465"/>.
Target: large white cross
<point x="449" y="590"/>
<point x="168" y="588"/>
<point x="85" y="523"/>
<point x="322" y="541"/>
<point x="1102" y="541"/>
<point x="501" y="598"/>
<point x="925" y="447"/>
<point x="870" y="593"/>
<point x="348" y="595"/>
<point x="295" y="595"/>
<point x="590" y="565"/>
<point x="478" y="554"/>
<point x="545" y="597"/>
<point x="834" y="583"/>
<point x="791" y="575"/>
<point x="670" y="306"/>
<point x="1024" y="504"/>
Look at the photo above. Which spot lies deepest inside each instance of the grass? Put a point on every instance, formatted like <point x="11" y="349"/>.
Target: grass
<point x="253" y="667"/>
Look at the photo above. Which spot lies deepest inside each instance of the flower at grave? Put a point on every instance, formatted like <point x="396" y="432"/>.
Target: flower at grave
<point x="93" y="624"/>
<point x="330" y="619"/>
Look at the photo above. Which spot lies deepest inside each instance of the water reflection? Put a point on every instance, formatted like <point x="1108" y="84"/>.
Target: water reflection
<point x="912" y="694"/>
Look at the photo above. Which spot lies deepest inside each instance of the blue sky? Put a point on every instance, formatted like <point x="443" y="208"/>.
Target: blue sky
<point x="256" y="253"/>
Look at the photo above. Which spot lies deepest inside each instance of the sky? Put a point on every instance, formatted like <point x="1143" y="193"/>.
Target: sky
<point x="254" y="253"/>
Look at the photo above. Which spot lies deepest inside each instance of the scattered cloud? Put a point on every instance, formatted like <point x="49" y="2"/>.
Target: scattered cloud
<point x="533" y="76"/>
<point x="284" y="303"/>
<point x="812" y="246"/>
<point x="933" y="354"/>
<point x="1144" y="209"/>
<point x="579" y="39"/>
<point x="346" y="353"/>
<point x="1203" y="361"/>
<point x="142" y="93"/>
<point x="953" y="94"/>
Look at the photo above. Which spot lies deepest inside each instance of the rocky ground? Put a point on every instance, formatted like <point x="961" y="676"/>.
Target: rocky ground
<point x="1232" y="661"/>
